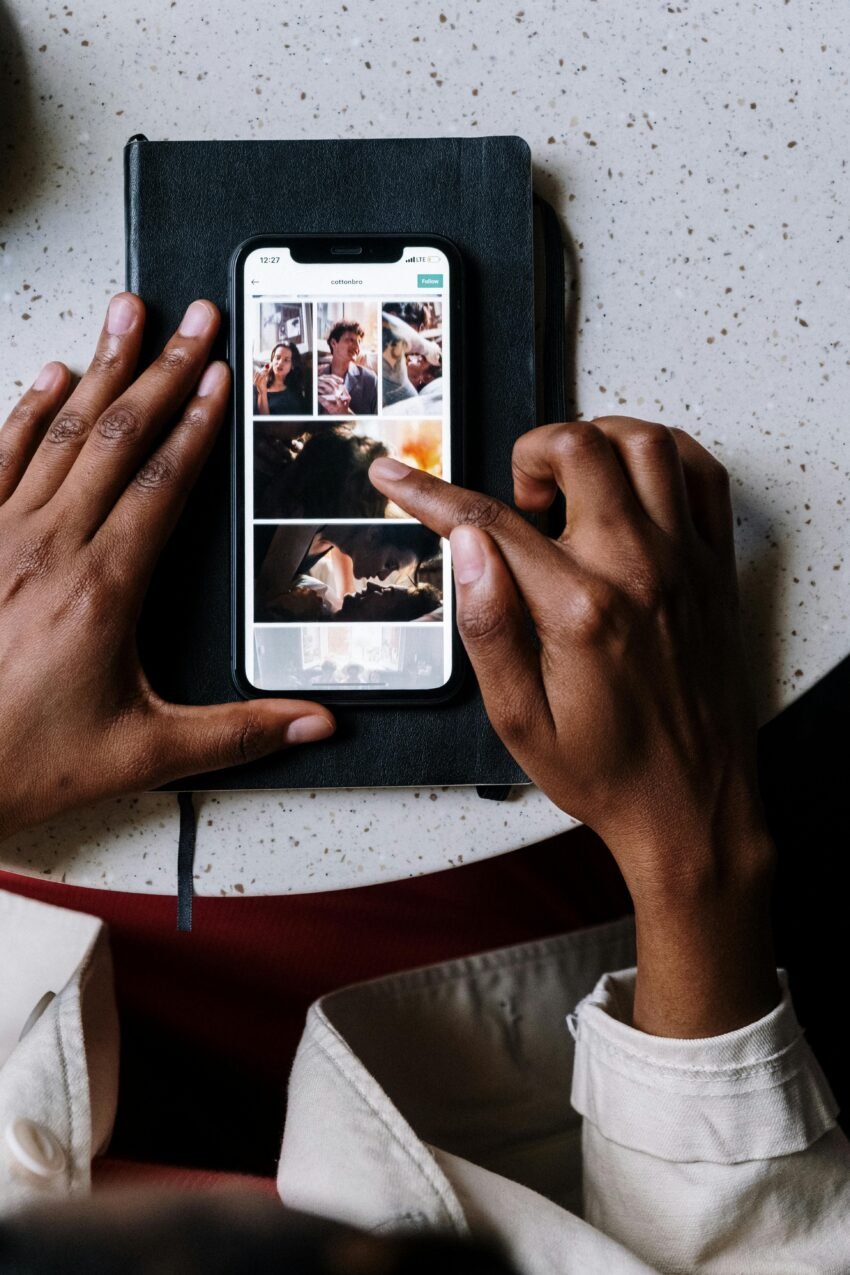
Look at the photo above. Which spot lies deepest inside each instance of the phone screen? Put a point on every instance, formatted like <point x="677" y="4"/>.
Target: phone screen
<point x="343" y="361"/>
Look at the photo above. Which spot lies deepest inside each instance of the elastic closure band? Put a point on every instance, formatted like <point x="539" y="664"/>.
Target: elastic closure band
<point x="186" y="860"/>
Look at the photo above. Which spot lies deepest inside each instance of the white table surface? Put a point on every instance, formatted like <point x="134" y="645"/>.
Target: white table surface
<point x="699" y="158"/>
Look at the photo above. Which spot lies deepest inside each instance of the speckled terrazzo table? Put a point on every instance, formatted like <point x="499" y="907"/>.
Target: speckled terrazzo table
<point x="700" y="162"/>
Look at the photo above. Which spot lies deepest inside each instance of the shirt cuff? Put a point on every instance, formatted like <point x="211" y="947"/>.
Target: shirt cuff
<point x="750" y="1094"/>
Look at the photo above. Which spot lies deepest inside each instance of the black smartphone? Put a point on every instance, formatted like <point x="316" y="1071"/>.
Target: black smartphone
<point x="344" y="348"/>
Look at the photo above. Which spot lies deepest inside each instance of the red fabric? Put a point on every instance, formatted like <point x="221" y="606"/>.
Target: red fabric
<point x="210" y="1020"/>
<point x="108" y="1175"/>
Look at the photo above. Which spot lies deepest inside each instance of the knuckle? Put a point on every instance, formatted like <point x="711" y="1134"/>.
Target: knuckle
<point x="590" y="611"/>
<point x="67" y="428"/>
<point x="482" y="512"/>
<point x="6" y="459"/>
<point x="244" y="741"/>
<point x="25" y="414"/>
<point x="160" y="471"/>
<point x="531" y="440"/>
<point x="481" y="619"/>
<point x="106" y="357"/>
<point x="515" y="720"/>
<point x="569" y="441"/>
<point x="176" y="358"/>
<point x="649" y="440"/>
<point x="195" y="417"/>
<point x="120" y="425"/>
<point x="617" y="423"/>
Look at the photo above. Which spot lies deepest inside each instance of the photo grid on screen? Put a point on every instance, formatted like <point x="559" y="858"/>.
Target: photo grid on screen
<point x="348" y="589"/>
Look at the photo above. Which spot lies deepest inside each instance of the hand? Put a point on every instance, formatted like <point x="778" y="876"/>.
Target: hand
<point x="333" y="397"/>
<point x="261" y="385"/>
<point x="433" y="353"/>
<point x="632" y="710"/>
<point x="89" y="493"/>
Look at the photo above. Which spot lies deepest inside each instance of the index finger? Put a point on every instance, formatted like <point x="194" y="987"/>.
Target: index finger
<point x="126" y="431"/>
<point x="442" y="506"/>
<point x="108" y="375"/>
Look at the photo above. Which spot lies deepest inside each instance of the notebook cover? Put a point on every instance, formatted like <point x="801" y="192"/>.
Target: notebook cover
<point x="187" y="206"/>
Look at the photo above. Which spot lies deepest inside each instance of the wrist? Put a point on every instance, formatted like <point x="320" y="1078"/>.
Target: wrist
<point x="705" y="963"/>
<point x="680" y="861"/>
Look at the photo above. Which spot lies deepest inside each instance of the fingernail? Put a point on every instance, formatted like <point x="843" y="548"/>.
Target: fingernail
<point x="211" y="379"/>
<point x="304" y="730"/>
<point x="120" y="316"/>
<point x="467" y="557"/>
<point x="49" y="377"/>
<point x="389" y="469"/>
<point x="196" y="320"/>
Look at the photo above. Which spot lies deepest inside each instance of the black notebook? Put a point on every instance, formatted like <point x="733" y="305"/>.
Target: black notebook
<point x="188" y="205"/>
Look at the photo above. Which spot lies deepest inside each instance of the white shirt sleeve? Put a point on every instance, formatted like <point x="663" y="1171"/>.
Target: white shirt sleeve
<point x="58" y="1050"/>
<point x="720" y="1154"/>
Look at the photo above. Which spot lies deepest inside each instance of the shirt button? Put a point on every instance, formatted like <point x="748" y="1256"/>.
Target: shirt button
<point x="35" y="1148"/>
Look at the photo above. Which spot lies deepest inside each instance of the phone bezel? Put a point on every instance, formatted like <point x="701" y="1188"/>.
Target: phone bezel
<point x="376" y="248"/>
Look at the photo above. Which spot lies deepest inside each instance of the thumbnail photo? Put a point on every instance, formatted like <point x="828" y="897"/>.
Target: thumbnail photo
<point x="378" y="657"/>
<point x="307" y="573"/>
<point x="320" y="468"/>
<point x="347" y="382"/>
<point x="412" y="358"/>
<point x="282" y="358"/>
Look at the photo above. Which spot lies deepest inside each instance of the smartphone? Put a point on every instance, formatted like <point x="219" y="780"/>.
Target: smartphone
<point x="344" y="349"/>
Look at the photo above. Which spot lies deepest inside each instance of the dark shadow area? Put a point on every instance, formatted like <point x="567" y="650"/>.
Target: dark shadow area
<point x="803" y="756"/>
<point x="223" y="1234"/>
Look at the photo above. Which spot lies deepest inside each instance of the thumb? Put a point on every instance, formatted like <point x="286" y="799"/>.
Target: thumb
<point x="495" y="632"/>
<point x="196" y="740"/>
